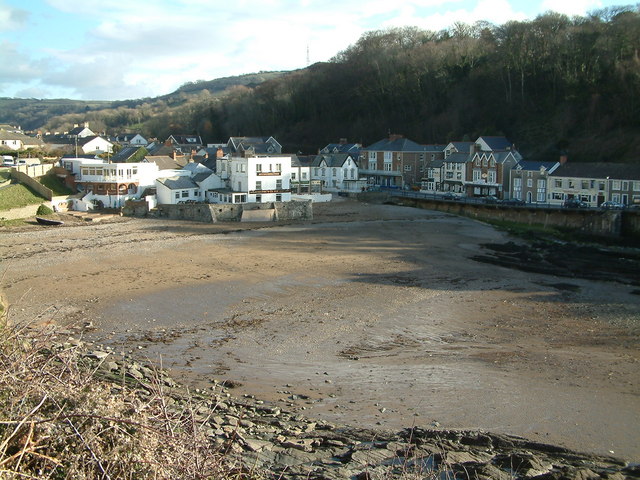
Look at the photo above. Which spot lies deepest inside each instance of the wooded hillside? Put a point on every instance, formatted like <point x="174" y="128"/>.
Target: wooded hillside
<point x="551" y="84"/>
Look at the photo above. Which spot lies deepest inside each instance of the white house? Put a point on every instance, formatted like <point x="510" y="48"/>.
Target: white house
<point x="95" y="144"/>
<point x="338" y="172"/>
<point x="194" y="183"/>
<point x="255" y="179"/>
<point x="133" y="139"/>
<point x="17" y="141"/>
<point x="109" y="184"/>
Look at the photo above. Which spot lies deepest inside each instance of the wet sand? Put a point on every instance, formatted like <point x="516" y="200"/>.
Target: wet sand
<point x="371" y="315"/>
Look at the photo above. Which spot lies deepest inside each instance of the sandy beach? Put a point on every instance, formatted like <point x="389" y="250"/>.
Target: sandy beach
<point x="371" y="315"/>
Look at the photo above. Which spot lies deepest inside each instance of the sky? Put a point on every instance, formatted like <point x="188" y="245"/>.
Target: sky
<point x="127" y="49"/>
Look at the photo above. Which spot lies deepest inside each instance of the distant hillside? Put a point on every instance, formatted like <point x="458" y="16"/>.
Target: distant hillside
<point x="221" y="84"/>
<point x="115" y="116"/>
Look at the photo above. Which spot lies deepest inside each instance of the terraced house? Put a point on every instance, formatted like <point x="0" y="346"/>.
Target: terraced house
<point x="488" y="171"/>
<point x="395" y="162"/>
<point x="595" y="183"/>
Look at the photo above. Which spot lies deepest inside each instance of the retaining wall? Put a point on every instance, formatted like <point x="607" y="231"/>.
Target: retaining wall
<point x="615" y="223"/>
<point x="211" y="213"/>
<point x="32" y="183"/>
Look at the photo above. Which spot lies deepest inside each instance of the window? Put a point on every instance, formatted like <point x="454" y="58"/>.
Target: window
<point x="304" y="175"/>
<point x="387" y="167"/>
<point x="372" y="156"/>
<point x="407" y="168"/>
<point x="558" y="183"/>
<point x="258" y="168"/>
<point x="185" y="193"/>
<point x="636" y="186"/>
<point x="278" y="184"/>
<point x="323" y="171"/>
<point x="388" y="156"/>
<point x="334" y="172"/>
<point x="372" y="165"/>
<point x="259" y="185"/>
<point x="616" y="186"/>
<point x="529" y="182"/>
<point x="601" y="186"/>
<point x="585" y="184"/>
<point x="278" y="167"/>
<point x="625" y="185"/>
<point x="243" y="168"/>
<point x="353" y="173"/>
<point x="278" y="197"/>
<point x="491" y="176"/>
<point x="477" y="175"/>
<point x="517" y="183"/>
<point x="316" y="171"/>
<point x="177" y="195"/>
<point x="293" y="175"/>
<point x="258" y="198"/>
<point x="542" y="184"/>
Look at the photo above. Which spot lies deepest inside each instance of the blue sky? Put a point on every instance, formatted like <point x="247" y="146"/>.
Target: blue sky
<point x="123" y="49"/>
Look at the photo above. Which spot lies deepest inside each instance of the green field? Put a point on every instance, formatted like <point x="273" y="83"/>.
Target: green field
<point x="16" y="196"/>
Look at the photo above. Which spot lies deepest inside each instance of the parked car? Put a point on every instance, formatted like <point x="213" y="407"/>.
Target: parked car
<point x="612" y="206"/>
<point x="574" y="203"/>
<point x="491" y="199"/>
<point x="451" y="196"/>
<point x="513" y="201"/>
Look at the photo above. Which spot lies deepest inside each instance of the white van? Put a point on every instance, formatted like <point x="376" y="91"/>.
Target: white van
<point x="7" y="161"/>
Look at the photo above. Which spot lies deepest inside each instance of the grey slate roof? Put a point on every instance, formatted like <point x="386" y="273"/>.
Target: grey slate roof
<point x="333" y="159"/>
<point x="165" y="162"/>
<point x="600" y="170"/>
<point x="497" y="143"/>
<point x="178" y="183"/>
<point x="395" y="145"/>
<point x="125" y="154"/>
<point x="201" y="177"/>
<point x="463" y="146"/>
<point x="535" y="166"/>
<point x="341" y="148"/>
<point x="458" y="158"/>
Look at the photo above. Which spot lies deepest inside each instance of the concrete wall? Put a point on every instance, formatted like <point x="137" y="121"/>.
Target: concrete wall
<point x="34" y="171"/>
<point x="614" y="223"/>
<point x="211" y="213"/>
<point x="32" y="183"/>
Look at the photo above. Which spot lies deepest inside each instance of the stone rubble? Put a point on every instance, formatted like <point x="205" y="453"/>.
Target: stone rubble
<point x="286" y="445"/>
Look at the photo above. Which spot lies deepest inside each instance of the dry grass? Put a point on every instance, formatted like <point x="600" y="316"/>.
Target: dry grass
<point x="59" y="420"/>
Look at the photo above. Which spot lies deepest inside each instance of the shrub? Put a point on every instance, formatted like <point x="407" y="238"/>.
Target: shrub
<point x="44" y="210"/>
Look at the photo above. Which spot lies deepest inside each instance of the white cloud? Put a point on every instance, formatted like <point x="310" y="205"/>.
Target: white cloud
<point x="571" y="7"/>
<point x="494" y="11"/>
<point x="12" y="18"/>
<point x="151" y="47"/>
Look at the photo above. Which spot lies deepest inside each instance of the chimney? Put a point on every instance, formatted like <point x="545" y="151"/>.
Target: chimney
<point x="175" y="156"/>
<point x="563" y="158"/>
<point x="343" y="141"/>
<point x="394" y="136"/>
<point x="219" y="153"/>
<point x="75" y="125"/>
<point x="86" y="124"/>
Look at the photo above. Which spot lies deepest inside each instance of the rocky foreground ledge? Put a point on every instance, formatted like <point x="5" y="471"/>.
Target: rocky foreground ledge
<point x="89" y="412"/>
